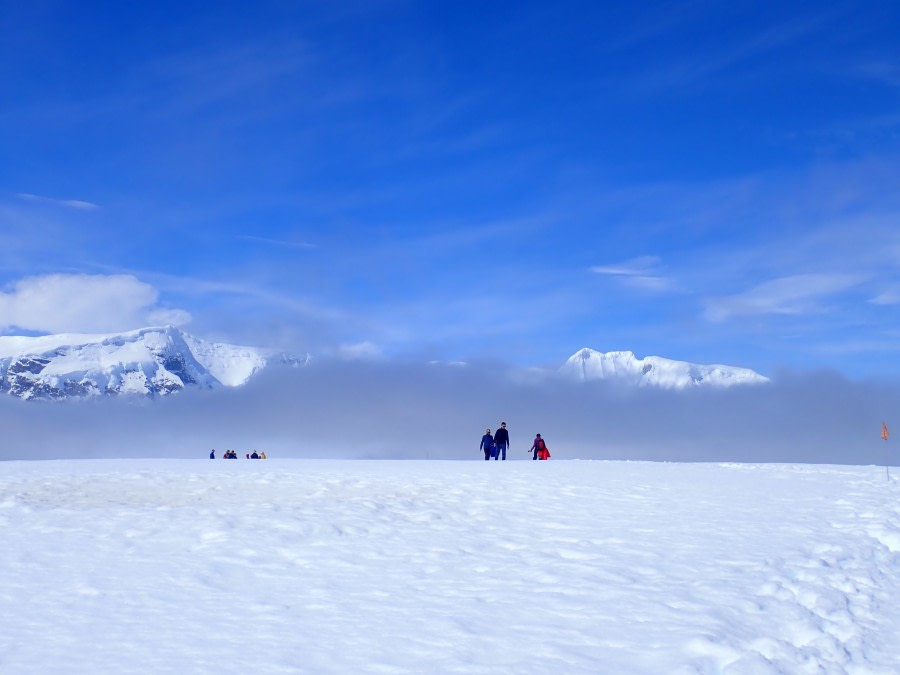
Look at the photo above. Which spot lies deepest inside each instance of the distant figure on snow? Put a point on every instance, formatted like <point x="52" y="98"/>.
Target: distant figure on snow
<point x="539" y="447"/>
<point x="212" y="454"/>
<point x="487" y="444"/>
<point x="501" y="440"/>
<point x="254" y="455"/>
<point x="263" y="455"/>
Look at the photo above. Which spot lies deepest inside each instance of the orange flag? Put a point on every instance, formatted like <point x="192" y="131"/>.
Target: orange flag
<point x="884" y="432"/>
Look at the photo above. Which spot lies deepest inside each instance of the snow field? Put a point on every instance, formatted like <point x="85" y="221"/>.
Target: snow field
<point x="447" y="567"/>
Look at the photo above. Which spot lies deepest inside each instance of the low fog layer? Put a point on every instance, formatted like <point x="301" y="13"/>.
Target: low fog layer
<point x="440" y="412"/>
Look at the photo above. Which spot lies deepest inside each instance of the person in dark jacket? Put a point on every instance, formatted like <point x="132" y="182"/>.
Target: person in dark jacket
<point x="212" y="454"/>
<point x="501" y="440"/>
<point x="487" y="444"/>
<point x="538" y="446"/>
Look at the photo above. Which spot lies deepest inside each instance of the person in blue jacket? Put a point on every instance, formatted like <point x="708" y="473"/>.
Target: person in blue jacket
<point x="212" y="454"/>
<point x="487" y="444"/>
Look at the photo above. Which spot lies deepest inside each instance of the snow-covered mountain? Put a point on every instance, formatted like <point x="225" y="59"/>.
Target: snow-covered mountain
<point x="159" y="361"/>
<point x="654" y="371"/>
<point x="149" y="362"/>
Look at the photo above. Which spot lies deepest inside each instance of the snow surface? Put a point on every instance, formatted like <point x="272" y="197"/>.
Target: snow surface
<point x="140" y="566"/>
<point x="625" y="367"/>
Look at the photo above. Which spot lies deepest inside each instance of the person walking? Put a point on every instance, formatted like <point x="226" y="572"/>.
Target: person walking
<point x="501" y="440"/>
<point x="212" y="454"/>
<point x="487" y="444"/>
<point x="539" y="448"/>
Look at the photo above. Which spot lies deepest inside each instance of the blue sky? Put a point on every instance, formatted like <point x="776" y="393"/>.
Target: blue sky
<point x="707" y="181"/>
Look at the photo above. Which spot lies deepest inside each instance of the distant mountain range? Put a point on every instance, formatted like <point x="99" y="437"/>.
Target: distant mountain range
<point x="654" y="371"/>
<point x="148" y="362"/>
<point x="154" y="362"/>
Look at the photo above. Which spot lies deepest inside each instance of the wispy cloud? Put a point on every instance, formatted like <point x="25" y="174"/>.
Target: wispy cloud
<point x="633" y="267"/>
<point x="277" y="242"/>
<point x="640" y="272"/>
<point x="794" y="295"/>
<point x="886" y="343"/>
<point x="78" y="204"/>
<point x="886" y="72"/>
<point x="888" y="297"/>
<point x="702" y="65"/>
<point x="248" y="291"/>
<point x="665" y="19"/>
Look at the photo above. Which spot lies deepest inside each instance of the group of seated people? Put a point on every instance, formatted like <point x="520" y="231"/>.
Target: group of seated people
<point x="231" y="454"/>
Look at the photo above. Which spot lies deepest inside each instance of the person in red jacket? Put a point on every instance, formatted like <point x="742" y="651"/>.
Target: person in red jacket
<point x="539" y="448"/>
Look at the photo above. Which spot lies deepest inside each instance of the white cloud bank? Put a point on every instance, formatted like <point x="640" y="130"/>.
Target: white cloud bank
<point x="384" y="409"/>
<point x="82" y="303"/>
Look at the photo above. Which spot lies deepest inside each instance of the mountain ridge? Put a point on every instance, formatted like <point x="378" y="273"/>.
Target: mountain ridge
<point x="153" y="361"/>
<point x="626" y="368"/>
<point x="159" y="361"/>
